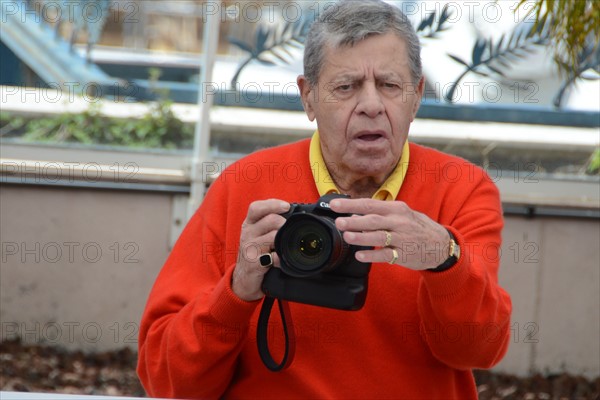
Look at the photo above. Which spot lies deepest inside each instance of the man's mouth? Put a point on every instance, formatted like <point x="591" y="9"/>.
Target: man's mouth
<point x="369" y="136"/>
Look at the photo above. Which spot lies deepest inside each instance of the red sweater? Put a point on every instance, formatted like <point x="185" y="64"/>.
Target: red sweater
<point x="417" y="337"/>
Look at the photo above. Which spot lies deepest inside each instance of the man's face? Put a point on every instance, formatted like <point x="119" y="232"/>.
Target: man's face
<point x="364" y="103"/>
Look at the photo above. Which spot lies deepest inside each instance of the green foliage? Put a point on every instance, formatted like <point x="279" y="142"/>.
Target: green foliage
<point x="10" y="123"/>
<point x="574" y="27"/>
<point x="571" y="26"/>
<point x="594" y="163"/>
<point x="158" y="128"/>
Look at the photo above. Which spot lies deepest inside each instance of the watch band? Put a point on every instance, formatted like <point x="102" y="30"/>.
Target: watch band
<point x="453" y="255"/>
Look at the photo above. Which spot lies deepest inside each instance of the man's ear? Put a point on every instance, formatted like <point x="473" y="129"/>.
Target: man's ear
<point x="419" y="90"/>
<point x="307" y="96"/>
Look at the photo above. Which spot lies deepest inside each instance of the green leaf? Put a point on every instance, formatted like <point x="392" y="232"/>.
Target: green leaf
<point x="594" y="163"/>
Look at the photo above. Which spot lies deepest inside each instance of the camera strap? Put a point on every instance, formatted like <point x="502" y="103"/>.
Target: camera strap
<point x="288" y="332"/>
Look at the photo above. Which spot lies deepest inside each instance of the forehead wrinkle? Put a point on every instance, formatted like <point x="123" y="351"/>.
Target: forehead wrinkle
<point x="357" y="71"/>
<point x="388" y="75"/>
<point x="360" y="76"/>
<point x="340" y="69"/>
<point x="344" y="70"/>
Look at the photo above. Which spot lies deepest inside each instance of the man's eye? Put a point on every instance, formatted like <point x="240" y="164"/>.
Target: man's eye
<point x="344" y="88"/>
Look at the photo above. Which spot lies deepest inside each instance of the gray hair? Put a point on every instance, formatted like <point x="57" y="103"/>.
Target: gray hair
<point x="348" y="22"/>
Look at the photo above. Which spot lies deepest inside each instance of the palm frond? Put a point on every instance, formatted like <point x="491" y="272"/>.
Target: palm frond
<point x="272" y="45"/>
<point x="428" y="27"/>
<point x="489" y="58"/>
<point x="588" y="59"/>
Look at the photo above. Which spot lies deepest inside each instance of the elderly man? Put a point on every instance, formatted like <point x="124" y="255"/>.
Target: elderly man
<point x="434" y="309"/>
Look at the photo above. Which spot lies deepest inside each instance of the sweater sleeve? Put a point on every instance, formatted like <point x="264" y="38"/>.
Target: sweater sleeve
<point x="465" y="314"/>
<point x="194" y="326"/>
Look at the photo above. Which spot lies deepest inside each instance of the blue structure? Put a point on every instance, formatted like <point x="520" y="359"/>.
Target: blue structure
<point x="28" y="43"/>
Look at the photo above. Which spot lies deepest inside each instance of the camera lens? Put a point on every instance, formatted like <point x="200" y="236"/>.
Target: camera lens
<point x="311" y="245"/>
<point x="308" y="245"/>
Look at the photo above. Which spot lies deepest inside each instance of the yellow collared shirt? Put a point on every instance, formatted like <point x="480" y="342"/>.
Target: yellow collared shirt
<point x="325" y="185"/>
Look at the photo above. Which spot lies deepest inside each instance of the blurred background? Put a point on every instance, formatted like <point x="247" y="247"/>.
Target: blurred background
<point x="117" y="114"/>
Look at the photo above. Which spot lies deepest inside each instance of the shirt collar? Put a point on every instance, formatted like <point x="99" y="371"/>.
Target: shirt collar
<point x="387" y="191"/>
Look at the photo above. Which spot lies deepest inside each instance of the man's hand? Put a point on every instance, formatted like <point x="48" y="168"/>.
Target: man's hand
<point x="420" y="242"/>
<point x="257" y="237"/>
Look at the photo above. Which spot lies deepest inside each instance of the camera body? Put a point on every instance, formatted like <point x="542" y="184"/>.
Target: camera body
<point x="317" y="266"/>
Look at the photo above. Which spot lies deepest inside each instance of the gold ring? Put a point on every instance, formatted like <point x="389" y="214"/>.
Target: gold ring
<point x="388" y="239"/>
<point x="394" y="256"/>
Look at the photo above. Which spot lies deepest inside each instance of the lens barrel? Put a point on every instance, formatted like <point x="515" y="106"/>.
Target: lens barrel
<point x="308" y="245"/>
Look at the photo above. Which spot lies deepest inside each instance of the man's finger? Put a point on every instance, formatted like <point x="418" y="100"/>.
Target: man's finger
<point x="366" y="206"/>
<point x="261" y="208"/>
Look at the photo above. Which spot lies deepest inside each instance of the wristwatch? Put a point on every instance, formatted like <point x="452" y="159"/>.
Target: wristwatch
<point x="453" y="255"/>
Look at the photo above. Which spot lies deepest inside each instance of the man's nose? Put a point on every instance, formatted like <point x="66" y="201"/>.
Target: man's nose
<point x="369" y="101"/>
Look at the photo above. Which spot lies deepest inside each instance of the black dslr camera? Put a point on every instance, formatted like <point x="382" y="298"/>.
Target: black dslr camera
<point x="317" y="266"/>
